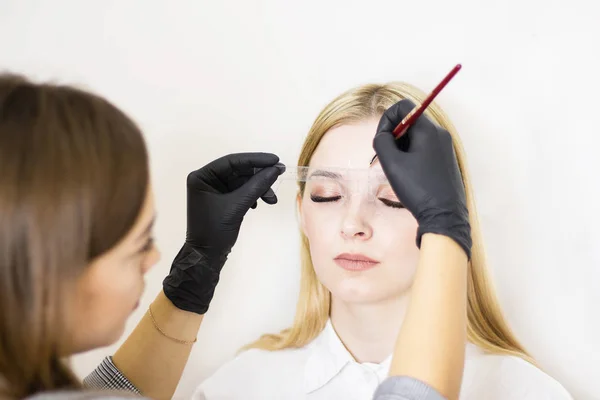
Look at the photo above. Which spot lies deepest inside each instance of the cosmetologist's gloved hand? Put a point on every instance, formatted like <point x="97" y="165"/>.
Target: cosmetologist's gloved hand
<point x="218" y="197"/>
<point x="423" y="171"/>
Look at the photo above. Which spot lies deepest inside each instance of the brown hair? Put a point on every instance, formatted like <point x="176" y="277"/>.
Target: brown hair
<point x="73" y="179"/>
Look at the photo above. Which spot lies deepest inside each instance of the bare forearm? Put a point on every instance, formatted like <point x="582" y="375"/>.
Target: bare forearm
<point x="431" y="344"/>
<point x="150" y="360"/>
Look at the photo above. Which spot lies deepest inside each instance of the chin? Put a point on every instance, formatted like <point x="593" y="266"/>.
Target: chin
<point x="369" y="287"/>
<point x="349" y="298"/>
<point x="92" y="342"/>
<point x="351" y="292"/>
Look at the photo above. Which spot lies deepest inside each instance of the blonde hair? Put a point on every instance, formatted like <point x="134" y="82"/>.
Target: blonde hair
<point x="486" y="327"/>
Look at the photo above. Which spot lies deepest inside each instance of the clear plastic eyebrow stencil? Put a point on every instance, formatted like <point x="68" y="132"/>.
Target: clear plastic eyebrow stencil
<point x="336" y="185"/>
<point x="317" y="173"/>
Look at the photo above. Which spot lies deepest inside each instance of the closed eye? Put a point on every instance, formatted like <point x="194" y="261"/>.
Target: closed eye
<point x="390" y="203"/>
<point x="321" y="199"/>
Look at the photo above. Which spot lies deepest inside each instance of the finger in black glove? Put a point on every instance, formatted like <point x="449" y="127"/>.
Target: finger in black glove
<point x="218" y="197"/>
<point x="423" y="171"/>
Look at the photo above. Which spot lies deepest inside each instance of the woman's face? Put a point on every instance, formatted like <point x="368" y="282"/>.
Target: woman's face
<point x="362" y="241"/>
<point x="111" y="287"/>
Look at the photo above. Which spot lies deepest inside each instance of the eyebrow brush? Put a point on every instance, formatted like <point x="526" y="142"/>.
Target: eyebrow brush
<point x="416" y="112"/>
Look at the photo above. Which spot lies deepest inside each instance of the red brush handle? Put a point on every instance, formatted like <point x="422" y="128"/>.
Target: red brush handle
<point x="417" y="111"/>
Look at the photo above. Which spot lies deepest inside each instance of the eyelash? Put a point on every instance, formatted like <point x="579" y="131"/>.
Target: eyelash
<point x="390" y="203"/>
<point x="148" y="246"/>
<point x="321" y="199"/>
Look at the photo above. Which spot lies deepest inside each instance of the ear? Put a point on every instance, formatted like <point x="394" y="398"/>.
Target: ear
<point x="300" y="213"/>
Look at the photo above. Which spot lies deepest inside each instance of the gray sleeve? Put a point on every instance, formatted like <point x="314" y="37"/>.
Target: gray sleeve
<point x="405" y="388"/>
<point x="83" y="395"/>
<point x="108" y="377"/>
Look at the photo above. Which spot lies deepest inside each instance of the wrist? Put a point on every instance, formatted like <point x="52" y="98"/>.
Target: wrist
<point x="444" y="244"/>
<point x="193" y="278"/>
<point x="163" y="306"/>
<point x="172" y="321"/>
<point x="207" y="254"/>
<point x="452" y="224"/>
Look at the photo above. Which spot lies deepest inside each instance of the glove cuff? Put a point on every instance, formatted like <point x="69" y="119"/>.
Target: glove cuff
<point x="454" y="224"/>
<point x="193" y="278"/>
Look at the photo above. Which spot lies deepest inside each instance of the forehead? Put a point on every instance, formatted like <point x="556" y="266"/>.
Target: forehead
<point x="347" y="146"/>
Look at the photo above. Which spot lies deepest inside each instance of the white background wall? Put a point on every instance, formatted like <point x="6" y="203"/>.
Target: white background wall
<point x="205" y="78"/>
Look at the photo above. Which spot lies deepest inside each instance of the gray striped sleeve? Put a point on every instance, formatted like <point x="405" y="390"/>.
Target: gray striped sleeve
<point x="83" y="395"/>
<point x="405" y="388"/>
<point x="108" y="377"/>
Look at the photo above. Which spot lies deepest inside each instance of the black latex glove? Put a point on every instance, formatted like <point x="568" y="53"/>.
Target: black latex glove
<point x="218" y="197"/>
<point x="422" y="169"/>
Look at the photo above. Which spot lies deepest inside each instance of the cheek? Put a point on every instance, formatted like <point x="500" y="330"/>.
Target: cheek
<point x="321" y="226"/>
<point x="396" y="231"/>
<point x="112" y="289"/>
<point x="396" y="234"/>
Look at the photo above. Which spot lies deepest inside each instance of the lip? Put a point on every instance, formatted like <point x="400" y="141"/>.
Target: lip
<point x="355" y="262"/>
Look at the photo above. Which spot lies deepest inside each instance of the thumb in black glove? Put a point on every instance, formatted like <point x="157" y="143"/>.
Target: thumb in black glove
<point x="422" y="169"/>
<point x="218" y="197"/>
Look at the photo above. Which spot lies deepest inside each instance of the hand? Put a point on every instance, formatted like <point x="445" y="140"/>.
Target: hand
<point x="218" y="197"/>
<point x="422" y="169"/>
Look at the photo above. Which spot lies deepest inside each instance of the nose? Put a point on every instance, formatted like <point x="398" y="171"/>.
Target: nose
<point x="355" y="224"/>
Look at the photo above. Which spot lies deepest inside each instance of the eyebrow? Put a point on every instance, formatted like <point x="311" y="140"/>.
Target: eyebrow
<point x="326" y="174"/>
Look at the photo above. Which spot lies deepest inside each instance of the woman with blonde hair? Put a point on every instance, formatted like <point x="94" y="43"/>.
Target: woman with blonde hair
<point x="359" y="259"/>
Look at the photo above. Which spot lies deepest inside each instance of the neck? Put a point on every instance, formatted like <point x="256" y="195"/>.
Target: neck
<point x="369" y="331"/>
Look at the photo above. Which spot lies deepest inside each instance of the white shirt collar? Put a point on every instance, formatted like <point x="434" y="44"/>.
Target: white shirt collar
<point x="328" y="356"/>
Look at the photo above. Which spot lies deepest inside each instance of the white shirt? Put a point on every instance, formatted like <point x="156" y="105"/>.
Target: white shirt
<point x="325" y="370"/>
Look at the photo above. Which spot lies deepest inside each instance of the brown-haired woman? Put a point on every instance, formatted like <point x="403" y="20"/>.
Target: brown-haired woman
<point x="76" y="215"/>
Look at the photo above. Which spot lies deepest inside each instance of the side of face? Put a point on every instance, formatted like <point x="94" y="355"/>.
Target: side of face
<point x="357" y="217"/>
<point x="110" y="288"/>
